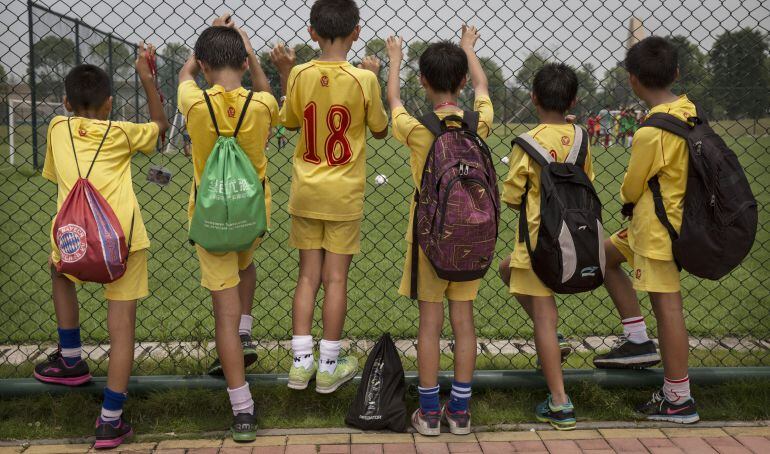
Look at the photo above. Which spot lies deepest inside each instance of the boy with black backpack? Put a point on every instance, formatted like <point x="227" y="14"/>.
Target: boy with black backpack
<point x="98" y="234"/>
<point x="691" y="208"/>
<point x="456" y="187"/>
<point x="559" y="241"/>
<point x="229" y="204"/>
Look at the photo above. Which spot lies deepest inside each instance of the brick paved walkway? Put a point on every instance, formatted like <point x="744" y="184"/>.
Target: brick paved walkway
<point x="703" y="440"/>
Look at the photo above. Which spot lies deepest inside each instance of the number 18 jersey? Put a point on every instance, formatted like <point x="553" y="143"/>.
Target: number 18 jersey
<point x="333" y="103"/>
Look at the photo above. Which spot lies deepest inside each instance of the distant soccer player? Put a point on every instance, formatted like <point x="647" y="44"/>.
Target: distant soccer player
<point x="72" y="148"/>
<point x="333" y="103"/>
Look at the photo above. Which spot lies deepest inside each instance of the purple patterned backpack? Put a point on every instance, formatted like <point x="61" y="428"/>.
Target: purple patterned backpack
<point x="458" y="204"/>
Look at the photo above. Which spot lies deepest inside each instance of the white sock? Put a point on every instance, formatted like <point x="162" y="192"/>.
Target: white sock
<point x="635" y="329"/>
<point x="111" y="415"/>
<point x="677" y="391"/>
<point x="302" y="349"/>
<point x="76" y="352"/>
<point x="244" y="327"/>
<point x="240" y="400"/>
<point x="330" y="351"/>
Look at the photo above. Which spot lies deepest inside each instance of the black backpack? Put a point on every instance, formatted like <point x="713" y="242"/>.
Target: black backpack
<point x="569" y="255"/>
<point x="379" y="403"/>
<point x="719" y="221"/>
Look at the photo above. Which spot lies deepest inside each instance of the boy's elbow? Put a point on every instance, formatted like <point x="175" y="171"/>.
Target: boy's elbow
<point x="381" y="134"/>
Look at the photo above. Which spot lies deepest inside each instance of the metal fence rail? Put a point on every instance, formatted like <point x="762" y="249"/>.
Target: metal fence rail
<point x="724" y="64"/>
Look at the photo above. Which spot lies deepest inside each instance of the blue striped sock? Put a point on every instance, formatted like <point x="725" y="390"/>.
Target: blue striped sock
<point x="460" y="396"/>
<point x="69" y="342"/>
<point x="429" y="399"/>
<point x="112" y="407"/>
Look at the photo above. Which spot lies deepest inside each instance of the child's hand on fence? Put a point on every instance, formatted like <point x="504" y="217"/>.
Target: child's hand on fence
<point x="394" y="46"/>
<point x="468" y="38"/>
<point x="283" y="58"/>
<point x="371" y="63"/>
<point x="145" y="53"/>
<point x="225" y="20"/>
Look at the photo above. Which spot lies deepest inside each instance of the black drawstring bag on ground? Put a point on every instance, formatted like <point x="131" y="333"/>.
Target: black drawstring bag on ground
<point x="379" y="402"/>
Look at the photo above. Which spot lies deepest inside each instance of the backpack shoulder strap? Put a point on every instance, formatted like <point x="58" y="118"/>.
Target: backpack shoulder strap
<point x="579" y="151"/>
<point x="668" y="123"/>
<point x="472" y="118"/>
<point x="533" y="149"/>
<point x="72" y="141"/>
<point x="96" y="155"/>
<point x="211" y="111"/>
<point x="432" y="123"/>
<point x="243" y="113"/>
<point x="660" y="208"/>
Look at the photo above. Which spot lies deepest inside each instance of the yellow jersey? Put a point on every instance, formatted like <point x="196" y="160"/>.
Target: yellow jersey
<point x="657" y="152"/>
<point x="409" y="131"/>
<point x="333" y="103"/>
<point x="111" y="174"/>
<point x="558" y="139"/>
<point x="227" y="106"/>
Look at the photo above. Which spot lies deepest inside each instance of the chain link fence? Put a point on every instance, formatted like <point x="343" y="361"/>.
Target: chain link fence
<point x="724" y="63"/>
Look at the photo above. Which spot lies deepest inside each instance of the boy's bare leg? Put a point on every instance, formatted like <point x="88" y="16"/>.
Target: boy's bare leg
<point x="618" y="284"/>
<point x="335" y="281"/>
<point x="308" y="282"/>
<point x="121" y="323"/>
<point x="672" y="333"/>
<point x="227" y="315"/>
<point x="65" y="301"/>
<point x="505" y="275"/>
<point x="246" y="288"/>
<point x="545" y="319"/>
<point x="461" y="317"/>
<point x="428" y="337"/>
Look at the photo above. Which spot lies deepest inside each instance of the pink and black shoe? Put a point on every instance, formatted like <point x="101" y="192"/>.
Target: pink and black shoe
<point x="111" y="434"/>
<point x="55" y="370"/>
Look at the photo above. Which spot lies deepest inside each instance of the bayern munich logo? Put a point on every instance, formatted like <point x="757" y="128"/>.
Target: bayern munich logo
<point x="72" y="242"/>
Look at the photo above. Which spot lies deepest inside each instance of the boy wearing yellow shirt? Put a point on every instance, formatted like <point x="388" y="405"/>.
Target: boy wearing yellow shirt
<point x="333" y="103"/>
<point x="223" y="54"/>
<point x="645" y="244"/>
<point x="554" y="91"/>
<point x="87" y="89"/>
<point x="443" y="69"/>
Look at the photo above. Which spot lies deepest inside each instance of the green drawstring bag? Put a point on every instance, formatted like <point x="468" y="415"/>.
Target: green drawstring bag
<point x="230" y="212"/>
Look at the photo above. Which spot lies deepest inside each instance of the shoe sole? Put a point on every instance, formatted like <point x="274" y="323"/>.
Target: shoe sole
<point x="244" y="437"/>
<point x="248" y="360"/>
<point x="455" y="429"/>
<point x="689" y="419"/>
<point x="299" y="386"/>
<point x="114" y="442"/>
<point x="336" y="386"/>
<point x="633" y="362"/>
<point x="71" y="381"/>
<point x="558" y="425"/>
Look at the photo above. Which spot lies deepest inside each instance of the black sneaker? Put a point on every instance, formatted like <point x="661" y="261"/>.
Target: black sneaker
<point x="249" y="356"/>
<point x="244" y="427"/>
<point x="55" y="370"/>
<point x="111" y="434"/>
<point x="625" y="354"/>
<point x="659" y="409"/>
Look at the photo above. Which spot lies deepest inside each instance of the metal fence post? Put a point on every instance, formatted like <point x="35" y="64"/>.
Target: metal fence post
<point x="32" y="85"/>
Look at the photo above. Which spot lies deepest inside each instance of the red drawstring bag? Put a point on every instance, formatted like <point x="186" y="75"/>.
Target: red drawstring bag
<point x="88" y="234"/>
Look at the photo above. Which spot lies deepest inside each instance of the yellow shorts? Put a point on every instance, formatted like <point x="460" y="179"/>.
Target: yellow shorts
<point x="339" y="237"/>
<point x="131" y="286"/>
<point x="524" y="281"/>
<point x="432" y="288"/>
<point x="219" y="270"/>
<point x="648" y="275"/>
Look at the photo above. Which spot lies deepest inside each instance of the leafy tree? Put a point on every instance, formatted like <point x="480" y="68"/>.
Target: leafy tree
<point x="694" y="78"/>
<point x="741" y="73"/>
<point x="170" y="61"/>
<point x="616" y="89"/>
<point x="122" y="58"/>
<point x="529" y="67"/>
<point x="587" y="87"/>
<point x="305" y="53"/>
<point x="412" y="92"/>
<point x="52" y="58"/>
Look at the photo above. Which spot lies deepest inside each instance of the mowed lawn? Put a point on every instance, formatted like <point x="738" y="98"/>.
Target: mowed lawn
<point x="179" y="309"/>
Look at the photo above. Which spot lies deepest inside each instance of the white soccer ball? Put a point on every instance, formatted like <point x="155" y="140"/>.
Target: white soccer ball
<point x="505" y="159"/>
<point x="380" y="179"/>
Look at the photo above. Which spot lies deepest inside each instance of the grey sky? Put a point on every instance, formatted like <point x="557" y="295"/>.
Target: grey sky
<point x="574" y="31"/>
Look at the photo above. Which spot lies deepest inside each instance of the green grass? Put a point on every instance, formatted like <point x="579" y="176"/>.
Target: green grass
<point x="179" y="411"/>
<point x="180" y="309"/>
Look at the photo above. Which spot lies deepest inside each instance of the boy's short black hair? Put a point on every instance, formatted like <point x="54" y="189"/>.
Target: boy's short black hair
<point x="333" y="19"/>
<point x="654" y="61"/>
<point x="555" y="87"/>
<point x="221" y="47"/>
<point x="87" y="87"/>
<point x="444" y="65"/>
